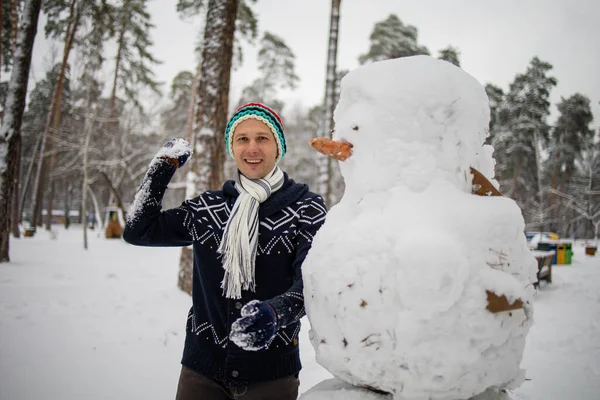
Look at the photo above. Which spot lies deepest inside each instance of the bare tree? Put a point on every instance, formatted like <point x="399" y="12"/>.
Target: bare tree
<point x="85" y="183"/>
<point x="582" y="193"/>
<point x="53" y="118"/>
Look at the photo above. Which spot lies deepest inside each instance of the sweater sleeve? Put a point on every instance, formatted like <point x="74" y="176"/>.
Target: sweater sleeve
<point x="289" y="306"/>
<point x="146" y="224"/>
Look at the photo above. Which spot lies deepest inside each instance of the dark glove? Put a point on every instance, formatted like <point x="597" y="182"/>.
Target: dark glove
<point x="256" y="328"/>
<point x="175" y="151"/>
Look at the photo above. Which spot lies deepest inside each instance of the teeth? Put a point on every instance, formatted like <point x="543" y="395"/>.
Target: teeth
<point x="252" y="161"/>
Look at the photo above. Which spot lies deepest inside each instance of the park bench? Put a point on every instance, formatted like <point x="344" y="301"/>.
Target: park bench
<point x="544" y="260"/>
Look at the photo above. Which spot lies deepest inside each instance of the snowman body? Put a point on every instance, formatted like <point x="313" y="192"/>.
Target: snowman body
<point x="396" y="280"/>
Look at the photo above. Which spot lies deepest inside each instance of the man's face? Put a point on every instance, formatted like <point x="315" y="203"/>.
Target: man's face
<point x="254" y="148"/>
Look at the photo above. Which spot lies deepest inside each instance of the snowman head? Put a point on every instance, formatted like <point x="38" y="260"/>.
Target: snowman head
<point x="410" y="120"/>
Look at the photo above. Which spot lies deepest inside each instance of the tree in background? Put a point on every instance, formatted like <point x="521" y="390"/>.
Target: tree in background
<point x="496" y="100"/>
<point x="87" y="101"/>
<point x="527" y="106"/>
<point x="174" y="118"/>
<point x="276" y="63"/>
<point x="569" y="136"/>
<point x="450" y="54"/>
<point x="10" y="132"/>
<point x="325" y="126"/>
<point x="34" y="119"/>
<point x="392" y="39"/>
<point x="299" y="160"/>
<point x="64" y="20"/>
<point x="246" y="27"/>
<point x="581" y="193"/>
<point x="213" y="102"/>
<point x="9" y="23"/>
<point x="133" y="60"/>
<point x="207" y="165"/>
<point x="211" y="109"/>
<point x="132" y="74"/>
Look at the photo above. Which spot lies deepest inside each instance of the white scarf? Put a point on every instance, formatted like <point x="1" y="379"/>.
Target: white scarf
<point x="240" y="239"/>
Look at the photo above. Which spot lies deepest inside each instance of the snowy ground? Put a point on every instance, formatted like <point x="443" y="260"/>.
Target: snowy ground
<point x="109" y="324"/>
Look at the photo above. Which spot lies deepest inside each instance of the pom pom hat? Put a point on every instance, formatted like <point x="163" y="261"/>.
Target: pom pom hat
<point x="265" y="115"/>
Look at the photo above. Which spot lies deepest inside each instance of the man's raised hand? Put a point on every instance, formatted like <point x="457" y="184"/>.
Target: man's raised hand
<point x="175" y="151"/>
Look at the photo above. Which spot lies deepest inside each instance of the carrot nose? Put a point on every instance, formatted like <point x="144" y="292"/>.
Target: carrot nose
<point x="339" y="150"/>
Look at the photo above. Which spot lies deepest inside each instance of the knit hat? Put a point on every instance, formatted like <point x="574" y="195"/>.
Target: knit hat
<point x="265" y="115"/>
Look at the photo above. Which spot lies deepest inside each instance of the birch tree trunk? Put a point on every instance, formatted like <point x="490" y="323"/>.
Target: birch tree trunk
<point x="97" y="213"/>
<point x="326" y="127"/>
<point x="88" y="134"/>
<point x="25" y="186"/>
<point x="13" y="116"/>
<point x="207" y="165"/>
<point x="113" y="96"/>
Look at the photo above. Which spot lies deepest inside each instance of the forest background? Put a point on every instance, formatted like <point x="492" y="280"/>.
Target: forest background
<point x="111" y="80"/>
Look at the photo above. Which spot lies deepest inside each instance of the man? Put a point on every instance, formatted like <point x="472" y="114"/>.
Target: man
<point x="250" y="240"/>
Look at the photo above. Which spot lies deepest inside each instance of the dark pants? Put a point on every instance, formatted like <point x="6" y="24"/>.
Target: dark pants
<point x="194" y="386"/>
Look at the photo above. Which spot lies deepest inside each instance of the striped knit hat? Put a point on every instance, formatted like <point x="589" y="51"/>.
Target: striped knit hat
<point x="265" y="115"/>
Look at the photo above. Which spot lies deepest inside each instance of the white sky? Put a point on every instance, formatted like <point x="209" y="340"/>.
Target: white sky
<point x="497" y="39"/>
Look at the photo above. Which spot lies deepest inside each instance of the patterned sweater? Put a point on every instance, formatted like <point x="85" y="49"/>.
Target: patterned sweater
<point x="289" y="219"/>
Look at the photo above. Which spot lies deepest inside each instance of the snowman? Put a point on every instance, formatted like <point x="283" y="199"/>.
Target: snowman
<point x="416" y="287"/>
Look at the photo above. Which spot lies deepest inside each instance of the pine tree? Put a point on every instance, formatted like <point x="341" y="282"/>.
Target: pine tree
<point x="173" y="119"/>
<point x="570" y="135"/>
<point x="214" y="74"/>
<point x="246" y="25"/>
<point x="10" y="132"/>
<point x="496" y="100"/>
<point x="276" y="63"/>
<point x="212" y="106"/>
<point x="527" y="107"/>
<point x="450" y="54"/>
<point x="392" y="39"/>
<point x="246" y="28"/>
<point x="133" y="60"/>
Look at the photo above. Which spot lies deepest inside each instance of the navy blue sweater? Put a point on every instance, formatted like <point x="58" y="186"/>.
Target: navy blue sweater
<point x="289" y="219"/>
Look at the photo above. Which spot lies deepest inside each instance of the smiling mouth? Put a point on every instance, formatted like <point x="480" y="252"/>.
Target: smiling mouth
<point x="253" y="161"/>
